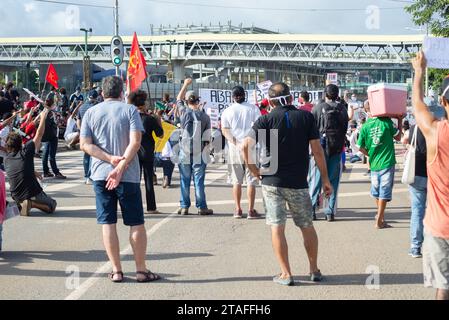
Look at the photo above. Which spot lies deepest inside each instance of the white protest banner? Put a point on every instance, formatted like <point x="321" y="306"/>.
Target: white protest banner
<point x="436" y="51"/>
<point x="216" y="100"/>
<point x="264" y="87"/>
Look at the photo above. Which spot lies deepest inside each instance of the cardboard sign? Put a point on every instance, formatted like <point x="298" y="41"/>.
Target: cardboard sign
<point x="436" y="51"/>
<point x="332" y="78"/>
<point x="264" y="87"/>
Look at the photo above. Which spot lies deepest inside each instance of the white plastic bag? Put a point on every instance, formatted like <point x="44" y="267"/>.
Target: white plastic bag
<point x="12" y="211"/>
<point x="408" y="176"/>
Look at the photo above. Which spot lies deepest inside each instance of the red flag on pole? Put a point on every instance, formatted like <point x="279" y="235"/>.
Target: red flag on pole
<point x="137" y="65"/>
<point x="52" y="77"/>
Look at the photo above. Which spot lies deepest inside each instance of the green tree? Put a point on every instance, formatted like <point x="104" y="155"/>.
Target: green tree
<point x="433" y="14"/>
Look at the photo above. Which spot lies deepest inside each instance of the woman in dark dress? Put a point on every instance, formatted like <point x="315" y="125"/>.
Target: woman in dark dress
<point x="151" y="124"/>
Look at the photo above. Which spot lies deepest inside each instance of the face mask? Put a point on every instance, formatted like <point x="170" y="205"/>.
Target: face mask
<point x="283" y="100"/>
<point x="354" y="99"/>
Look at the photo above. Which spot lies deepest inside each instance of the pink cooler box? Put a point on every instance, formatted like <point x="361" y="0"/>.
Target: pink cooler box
<point x="387" y="100"/>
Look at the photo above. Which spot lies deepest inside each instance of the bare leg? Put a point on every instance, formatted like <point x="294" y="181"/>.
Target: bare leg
<point x="311" y="246"/>
<point x="40" y="206"/>
<point x="442" y="294"/>
<point x="237" y="193"/>
<point x="380" y="221"/>
<point x="280" y="248"/>
<point x="111" y="243"/>
<point x="251" y="191"/>
<point x="138" y="240"/>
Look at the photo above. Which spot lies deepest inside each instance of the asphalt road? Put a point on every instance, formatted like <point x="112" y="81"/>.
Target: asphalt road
<point x="213" y="257"/>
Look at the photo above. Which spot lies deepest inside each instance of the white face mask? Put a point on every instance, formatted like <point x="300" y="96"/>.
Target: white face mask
<point x="282" y="99"/>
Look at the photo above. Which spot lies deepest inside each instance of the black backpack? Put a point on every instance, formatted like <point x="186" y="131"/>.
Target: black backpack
<point x="334" y="126"/>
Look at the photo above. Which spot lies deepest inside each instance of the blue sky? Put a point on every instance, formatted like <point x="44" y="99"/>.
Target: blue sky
<point x="33" y="18"/>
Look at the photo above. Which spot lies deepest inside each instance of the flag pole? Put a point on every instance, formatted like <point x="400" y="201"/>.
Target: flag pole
<point x="45" y="84"/>
<point x="148" y="88"/>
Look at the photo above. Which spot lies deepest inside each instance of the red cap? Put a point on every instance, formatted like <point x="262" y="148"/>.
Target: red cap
<point x="265" y="103"/>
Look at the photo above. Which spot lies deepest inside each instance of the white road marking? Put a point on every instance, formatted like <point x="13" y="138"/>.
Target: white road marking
<point x="222" y="202"/>
<point x="90" y="282"/>
<point x="99" y="273"/>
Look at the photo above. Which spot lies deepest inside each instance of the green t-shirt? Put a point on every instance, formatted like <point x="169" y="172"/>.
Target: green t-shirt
<point x="376" y="137"/>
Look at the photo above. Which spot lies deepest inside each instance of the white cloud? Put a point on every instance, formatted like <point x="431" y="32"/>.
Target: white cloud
<point x="29" y="7"/>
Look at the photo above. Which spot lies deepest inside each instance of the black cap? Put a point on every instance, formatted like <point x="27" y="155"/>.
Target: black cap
<point x="445" y="88"/>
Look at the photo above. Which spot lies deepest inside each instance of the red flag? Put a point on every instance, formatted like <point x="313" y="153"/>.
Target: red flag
<point x="52" y="77"/>
<point x="136" y="67"/>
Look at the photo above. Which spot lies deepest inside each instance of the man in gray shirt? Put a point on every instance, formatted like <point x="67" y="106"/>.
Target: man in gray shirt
<point x="111" y="133"/>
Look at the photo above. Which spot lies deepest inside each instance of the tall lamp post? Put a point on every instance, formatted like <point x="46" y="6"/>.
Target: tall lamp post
<point x="86" y="61"/>
<point x="170" y="74"/>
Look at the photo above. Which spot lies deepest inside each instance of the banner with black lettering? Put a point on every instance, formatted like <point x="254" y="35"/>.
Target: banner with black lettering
<point x="216" y="100"/>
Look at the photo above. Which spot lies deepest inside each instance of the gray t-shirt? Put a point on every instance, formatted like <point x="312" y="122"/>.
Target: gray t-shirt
<point x="109" y="125"/>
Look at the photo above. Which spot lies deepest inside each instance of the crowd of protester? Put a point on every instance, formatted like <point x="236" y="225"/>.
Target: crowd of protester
<point x="300" y="168"/>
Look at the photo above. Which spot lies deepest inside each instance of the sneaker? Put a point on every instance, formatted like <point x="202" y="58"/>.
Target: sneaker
<point x="60" y="176"/>
<point x="49" y="175"/>
<point x="25" y="208"/>
<point x="205" y="212"/>
<point x="368" y="173"/>
<point x="183" y="211"/>
<point x="253" y="214"/>
<point x="238" y="214"/>
<point x="316" y="276"/>
<point x="88" y="181"/>
<point x="314" y="218"/>
<point x="330" y="218"/>
<point x="283" y="281"/>
<point x="155" y="180"/>
<point x="415" y="253"/>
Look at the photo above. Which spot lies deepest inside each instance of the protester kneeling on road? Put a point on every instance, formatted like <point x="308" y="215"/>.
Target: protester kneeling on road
<point x="24" y="186"/>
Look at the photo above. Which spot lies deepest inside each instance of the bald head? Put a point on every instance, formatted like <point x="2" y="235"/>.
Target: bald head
<point x="279" y="94"/>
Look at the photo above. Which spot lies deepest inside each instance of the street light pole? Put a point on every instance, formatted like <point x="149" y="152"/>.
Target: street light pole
<point x="170" y="65"/>
<point x="116" y="31"/>
<point x="86" y="60"/>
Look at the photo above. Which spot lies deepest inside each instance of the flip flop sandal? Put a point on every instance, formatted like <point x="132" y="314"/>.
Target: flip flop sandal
<point x="149" y="276"/>
<point x="112" y="274"/>
<point x="384" y="226"/>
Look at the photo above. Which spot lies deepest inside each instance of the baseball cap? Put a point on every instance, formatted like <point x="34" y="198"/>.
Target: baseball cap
<point x="445" y="88"/>
<point x="93" y="94"/>
<point x="265" y="103"/>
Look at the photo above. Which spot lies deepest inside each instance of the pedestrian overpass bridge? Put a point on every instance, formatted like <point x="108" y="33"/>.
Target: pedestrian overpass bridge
<point x="393" y="51"/>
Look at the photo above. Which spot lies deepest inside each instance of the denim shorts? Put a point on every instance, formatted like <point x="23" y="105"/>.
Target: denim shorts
<point x="382" y="184"/>
<point x="128" y="195"/>
<point x="299" y="204"/>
